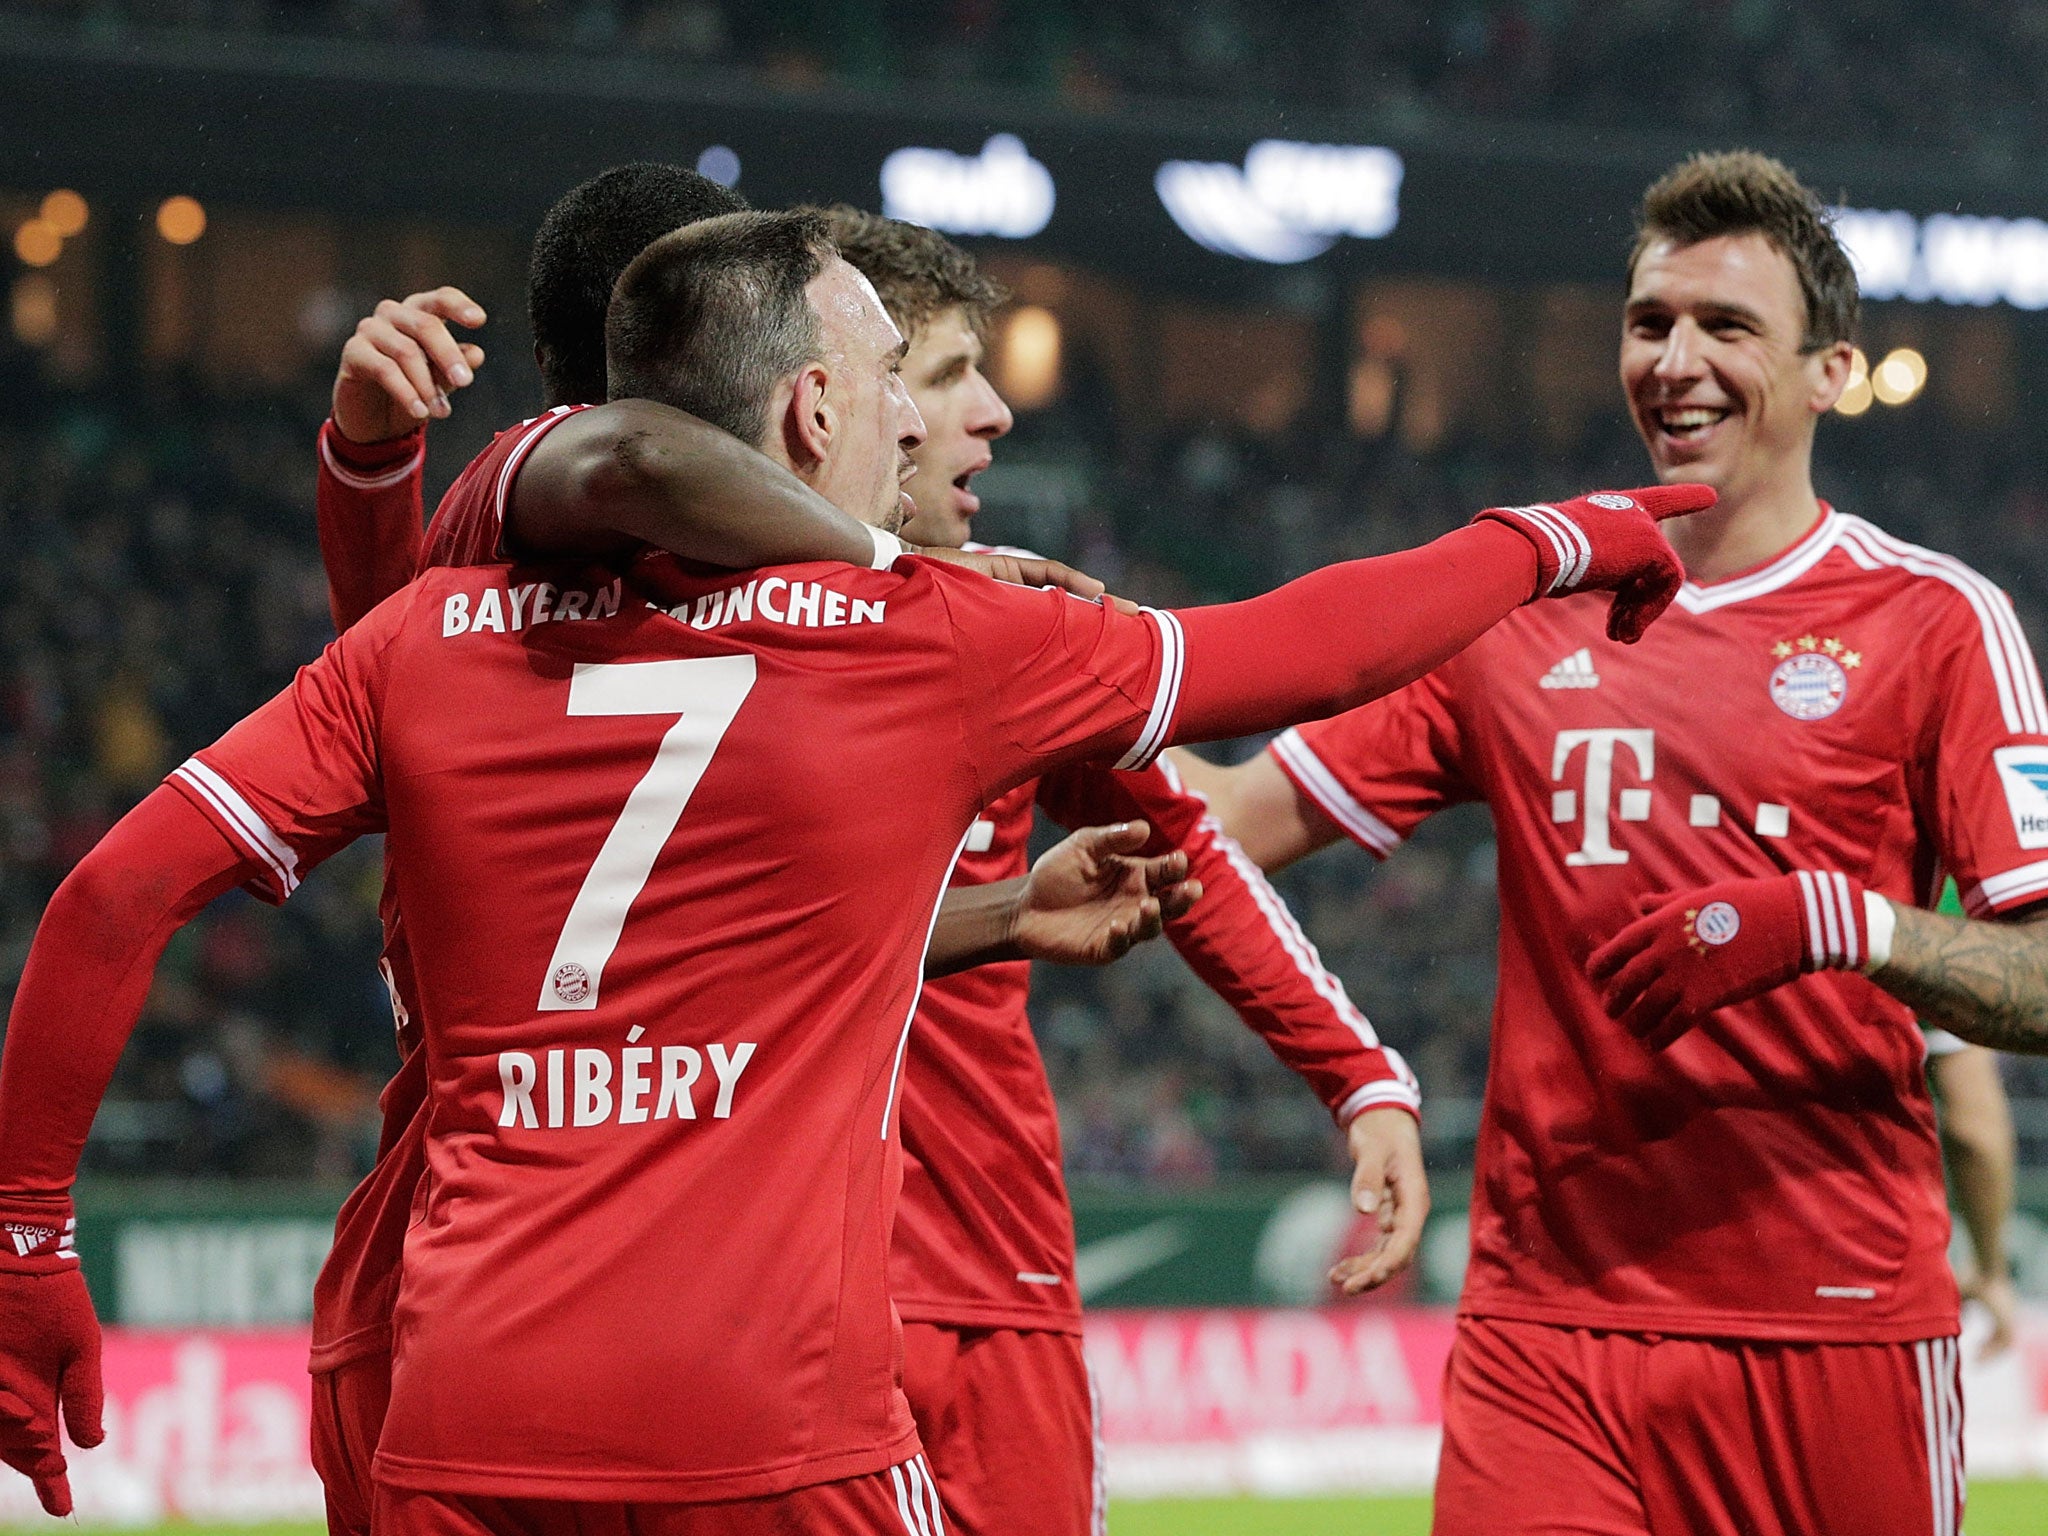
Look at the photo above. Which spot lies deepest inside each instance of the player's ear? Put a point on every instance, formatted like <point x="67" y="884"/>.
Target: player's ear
<point x="1828" y="370"/>
<point x="812" y="419"/>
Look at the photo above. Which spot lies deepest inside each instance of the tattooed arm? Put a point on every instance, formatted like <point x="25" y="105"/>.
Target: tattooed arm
<point x="1986" y="982"/>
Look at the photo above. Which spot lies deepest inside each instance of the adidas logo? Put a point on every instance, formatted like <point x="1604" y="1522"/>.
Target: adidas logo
<point x="28" y="1239"/>
<point x="1575" y="671"/>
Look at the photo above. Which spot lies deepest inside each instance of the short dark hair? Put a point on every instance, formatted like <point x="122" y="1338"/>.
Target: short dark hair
<point x="711" y="316"/>
<point x="1740" y="192"/>
<point x="584" y="242"/>
<point x="917" y="272"/>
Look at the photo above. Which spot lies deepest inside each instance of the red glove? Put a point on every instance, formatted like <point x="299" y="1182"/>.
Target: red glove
<point x="1607" y="541"/>
<point x="49" y="1345"/>
<point x="1704" y="949"/>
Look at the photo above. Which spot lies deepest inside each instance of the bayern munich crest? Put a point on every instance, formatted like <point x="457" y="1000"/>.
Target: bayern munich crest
<point x="1811" y="679"/>
<point x="571" y="982"/>
<point x="1717" y="923"/>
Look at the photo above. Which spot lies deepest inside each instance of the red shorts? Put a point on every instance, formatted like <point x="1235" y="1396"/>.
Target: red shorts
<point x="1007" y="1417"/>
<point x="348" y="1416"/>
<point x="1551" y="1430"/>
<point x="896" y="1502"/>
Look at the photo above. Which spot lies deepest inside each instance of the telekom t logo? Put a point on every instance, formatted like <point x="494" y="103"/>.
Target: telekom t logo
<point x="1597" y="847"/>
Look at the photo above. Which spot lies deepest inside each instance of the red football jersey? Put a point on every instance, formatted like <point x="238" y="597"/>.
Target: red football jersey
<point x="370" y="539"/>
<point x="984" y="1230"/>
<point x="666" y="955"/>
<point x="1856" y="704"/>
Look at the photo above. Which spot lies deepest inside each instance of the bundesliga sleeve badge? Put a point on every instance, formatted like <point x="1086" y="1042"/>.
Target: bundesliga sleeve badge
<point x="1811" y="679"/>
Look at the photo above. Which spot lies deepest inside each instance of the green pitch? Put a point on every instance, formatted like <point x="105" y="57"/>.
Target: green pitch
<point x="1996" y="1509"/>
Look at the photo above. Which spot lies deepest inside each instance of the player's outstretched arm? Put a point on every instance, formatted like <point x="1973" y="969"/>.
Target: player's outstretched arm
<point x="1087" y="901"/>
<point x="397" y="371"/>
<point x="1349" y="633"/>
<point x="1977" y="1141"/>
<point x="87" y="975"/>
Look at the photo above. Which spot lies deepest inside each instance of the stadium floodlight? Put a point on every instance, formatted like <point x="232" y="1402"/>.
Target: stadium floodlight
<point x="1951" y="258"/>
<point x="1289" y="202"/>
<point x="1001" y="191"/>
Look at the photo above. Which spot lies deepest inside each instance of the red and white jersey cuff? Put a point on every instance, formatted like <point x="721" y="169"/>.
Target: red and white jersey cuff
<point x="2012" y="888"/>
<point x="1313" y="778"/>
<point x="381" y="478"/>
<point x="1386" y="1093"/>
<point x="1158" y="731"/>
<point x="224" y="804"/>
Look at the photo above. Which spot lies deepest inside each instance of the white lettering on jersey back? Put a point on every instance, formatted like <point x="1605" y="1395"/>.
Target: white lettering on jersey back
<point x="577" y="1087"/>
<point x="1597" y="789"/>
<point x="2024" y="773"/>
<point x="1575" y="671"/>
<point x="799" y="604"/>
<point x="499" y="609"/>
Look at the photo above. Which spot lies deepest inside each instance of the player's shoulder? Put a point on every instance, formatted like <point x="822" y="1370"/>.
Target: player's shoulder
<point x="1933" y="580"/>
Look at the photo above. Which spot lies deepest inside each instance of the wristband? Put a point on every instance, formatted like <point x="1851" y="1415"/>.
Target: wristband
<point x="1880" y="921"/>
<point x="887" y="548"/>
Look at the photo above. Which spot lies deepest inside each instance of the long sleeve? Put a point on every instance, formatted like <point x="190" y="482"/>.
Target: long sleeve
<point x="1244" y="943"/>
<point x="88" y="974"/>
<point x="369" y="505"/>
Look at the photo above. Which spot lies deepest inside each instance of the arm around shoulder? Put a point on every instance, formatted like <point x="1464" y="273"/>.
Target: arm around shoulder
<point x="634" y="472"/>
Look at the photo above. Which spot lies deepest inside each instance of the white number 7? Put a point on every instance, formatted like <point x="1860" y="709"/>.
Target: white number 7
<point x="707" y="692"/>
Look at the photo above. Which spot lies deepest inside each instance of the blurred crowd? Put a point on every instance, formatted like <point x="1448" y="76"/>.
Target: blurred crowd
<point x="164" y="578"/>
<point x="1962" y="77"/>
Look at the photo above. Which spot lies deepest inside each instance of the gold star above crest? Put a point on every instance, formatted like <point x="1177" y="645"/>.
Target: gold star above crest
<point x="1808" y="643"/>
<point x="1852" y="658"/>
<point x="1832" y="646"/>
<point x="1782" y="649"/>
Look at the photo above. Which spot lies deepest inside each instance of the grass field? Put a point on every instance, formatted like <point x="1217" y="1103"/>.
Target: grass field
<point x="1996" y="1509"/>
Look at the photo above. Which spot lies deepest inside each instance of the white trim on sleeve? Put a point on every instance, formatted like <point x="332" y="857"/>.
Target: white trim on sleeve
<point x="1321" y="786"/>
<point x="1378" y="1094"/>
<point x="542" y="426"/>
<point x="383" y="479"/>
<point x="2002" y="890"/>
<point x="1166" y="698"/>
<point x="253" y="832"/>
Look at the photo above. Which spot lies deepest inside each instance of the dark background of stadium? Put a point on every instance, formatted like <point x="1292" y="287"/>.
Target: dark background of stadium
<point x="1192" y="426"/>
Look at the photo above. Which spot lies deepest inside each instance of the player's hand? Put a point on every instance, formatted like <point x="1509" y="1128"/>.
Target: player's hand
<point x="1699" y="950"/>
<point x="1027" y="571"/>
<point x="49" y="1349"/>
<point x="1089" y="899"/>
<point x="1388" y="1184"/>
<point x="2002" y="1302"/>
<point x="402" y="364"/>
<point x="1608" y="541"/>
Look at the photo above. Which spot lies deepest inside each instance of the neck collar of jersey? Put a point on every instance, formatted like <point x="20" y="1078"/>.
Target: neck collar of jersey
<point x="1779" y="571"/>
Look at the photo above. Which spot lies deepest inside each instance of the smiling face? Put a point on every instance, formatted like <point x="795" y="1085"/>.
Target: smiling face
<point x="1717" y="384"/>
<point x="963" y="416"/>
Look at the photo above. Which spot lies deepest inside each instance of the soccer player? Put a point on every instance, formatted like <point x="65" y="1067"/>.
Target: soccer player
<point x="666" y="922"/>
<point x="657" y="474"/>
<point x="982" y="1263"/>
<point x="1708" y="1288"/>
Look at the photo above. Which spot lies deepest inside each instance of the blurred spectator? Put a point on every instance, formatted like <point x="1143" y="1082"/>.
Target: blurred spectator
<point x="1961" y="78"/>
